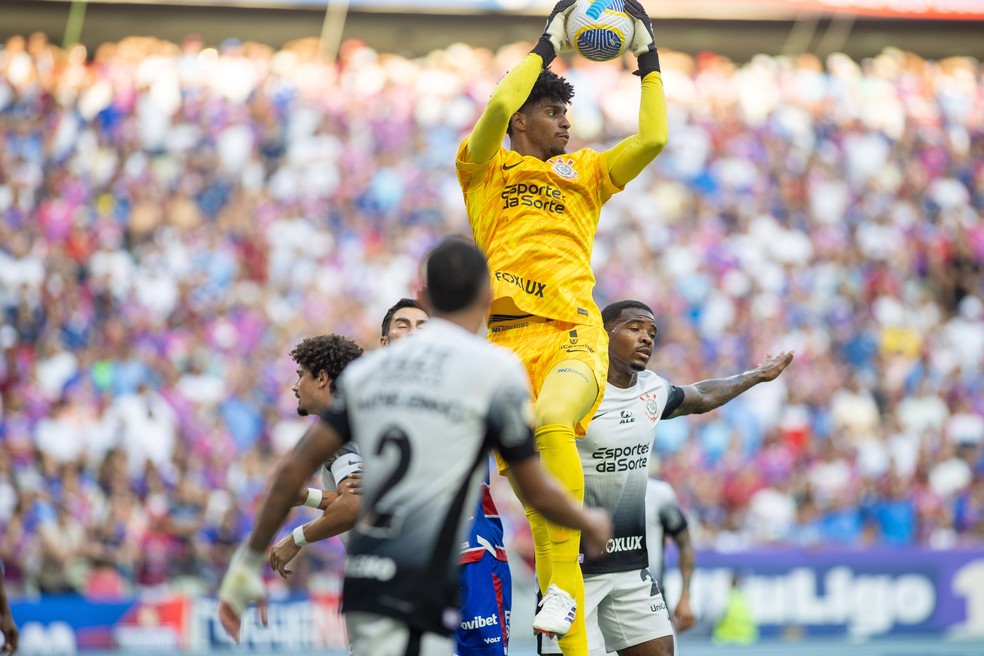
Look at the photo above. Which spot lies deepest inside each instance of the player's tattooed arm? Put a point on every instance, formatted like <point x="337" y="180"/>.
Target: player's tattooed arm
<point x="710" y="394"/>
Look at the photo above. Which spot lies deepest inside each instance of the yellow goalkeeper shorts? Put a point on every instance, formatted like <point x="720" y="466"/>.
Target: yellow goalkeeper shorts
<point x="541" y="345"/>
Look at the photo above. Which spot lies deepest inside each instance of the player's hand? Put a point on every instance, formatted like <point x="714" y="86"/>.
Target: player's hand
<point x="683" y="616"/>
<point x="352" y="485"/>
<point x="9" y="630"/>
<point x="283" y="553"/>
<point x="555" y="29"/>
<point x="773" y="366"/>
<point x="643" y="41"/>
<point x="595" y="536"/>
<point x="241" y="585"/>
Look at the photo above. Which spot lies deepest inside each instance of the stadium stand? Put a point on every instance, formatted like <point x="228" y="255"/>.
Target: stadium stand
<point x="175" y="217"/>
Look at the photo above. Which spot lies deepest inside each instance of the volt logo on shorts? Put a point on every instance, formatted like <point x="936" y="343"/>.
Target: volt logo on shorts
<point x="479" y="622"/>
<point x="531" y="287"/>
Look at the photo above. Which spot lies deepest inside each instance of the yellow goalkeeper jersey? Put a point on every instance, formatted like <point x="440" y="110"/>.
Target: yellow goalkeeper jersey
<point x="535" y="221"/>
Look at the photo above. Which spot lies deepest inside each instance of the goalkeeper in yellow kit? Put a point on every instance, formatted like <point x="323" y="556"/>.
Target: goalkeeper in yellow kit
<point x="534" y="210"/>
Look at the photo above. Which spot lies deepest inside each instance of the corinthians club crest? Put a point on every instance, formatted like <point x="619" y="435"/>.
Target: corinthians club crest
<point x="652" y="406"/>
<point x="564" y="168"/>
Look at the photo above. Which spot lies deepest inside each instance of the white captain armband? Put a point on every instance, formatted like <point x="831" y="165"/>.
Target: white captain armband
<point x="314" y="498"/>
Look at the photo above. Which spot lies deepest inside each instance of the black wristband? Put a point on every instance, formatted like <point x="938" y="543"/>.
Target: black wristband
<point x="545" y="48"/>
<point x="648" y="62"/>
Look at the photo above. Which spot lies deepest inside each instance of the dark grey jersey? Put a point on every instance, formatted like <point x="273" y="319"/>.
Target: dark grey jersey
<point x="424" y="412"/>
<point x="615" y="457"/>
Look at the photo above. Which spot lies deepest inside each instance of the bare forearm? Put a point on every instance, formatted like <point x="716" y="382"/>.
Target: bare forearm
<point x="4" y="606"/>
<point x="279" y="500"/>
<point x="315" y="446"/>
<point x="710" y="394"/>
<point x="557" y="507"/>
<point x="535" y="487"/>
<point x="338" y="517"/>
<point x="541" y="492"/>
<point x="687" y="563"/>
<point x="328" y="499"/>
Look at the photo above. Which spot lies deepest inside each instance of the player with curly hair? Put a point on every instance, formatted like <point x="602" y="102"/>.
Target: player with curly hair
<point x="320" y="361"/>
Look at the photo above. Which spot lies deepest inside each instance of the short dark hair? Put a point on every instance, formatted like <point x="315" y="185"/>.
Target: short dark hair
<point x="550" y="86"/>
<point x="456" y="273"/>
<point x="399" y="305"/>
<point x="328" y="353"/>
<point x="615" y="310"/>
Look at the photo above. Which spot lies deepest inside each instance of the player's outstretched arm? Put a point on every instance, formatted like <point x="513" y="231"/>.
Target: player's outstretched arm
<point x="337" y="518"/>
<point x="243" y="583"/>
<point x="683" y="615"/>
<point x="513" y="90"/>
<point x="627" y="159"/>
<point x="540" y="490"/>
<point x="710" y="394"/>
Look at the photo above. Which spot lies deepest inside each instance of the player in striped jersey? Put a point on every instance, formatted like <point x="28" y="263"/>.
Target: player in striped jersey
<point x="534" y="210"/>
<point x="625" y="609"/>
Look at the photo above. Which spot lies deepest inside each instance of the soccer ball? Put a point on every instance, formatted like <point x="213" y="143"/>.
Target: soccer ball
<point x="600" y="30"/>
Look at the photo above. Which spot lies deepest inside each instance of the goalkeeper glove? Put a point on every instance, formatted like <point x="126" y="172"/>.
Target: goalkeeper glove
<point x="554" y="38"/>
<point x="241" y="585"/>
<point x="643" y="43"/>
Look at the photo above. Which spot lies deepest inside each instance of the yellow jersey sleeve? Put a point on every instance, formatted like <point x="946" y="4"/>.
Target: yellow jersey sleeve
<point x="509" y="95"/>
<point x="633" y="154"/>
<point x="536" y="221"/>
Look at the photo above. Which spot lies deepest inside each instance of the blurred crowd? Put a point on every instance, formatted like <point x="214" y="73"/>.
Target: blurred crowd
<point x="175" y="218"/>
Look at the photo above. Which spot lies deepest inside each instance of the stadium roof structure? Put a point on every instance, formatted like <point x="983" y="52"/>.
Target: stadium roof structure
<point x="739" y="29"/>
<point x="672" y="9"/>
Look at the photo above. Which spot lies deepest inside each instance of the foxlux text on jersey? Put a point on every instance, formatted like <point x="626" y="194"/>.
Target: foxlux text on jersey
<point x="621" y="458"/>
<point x="542" y="197"/>
<point x="630" y="543"/>
<point x="531" y="287"/>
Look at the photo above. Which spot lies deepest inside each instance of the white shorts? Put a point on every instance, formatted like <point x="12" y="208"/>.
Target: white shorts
<point x="623" y="609"/>
<point x="375" y="635"/>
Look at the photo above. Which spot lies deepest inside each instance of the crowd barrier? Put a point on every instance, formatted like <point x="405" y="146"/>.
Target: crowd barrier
<point x="793" y="593"/>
